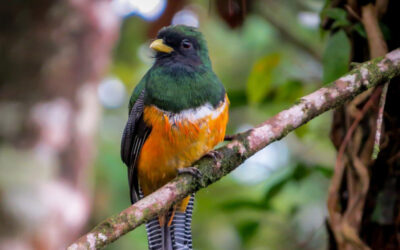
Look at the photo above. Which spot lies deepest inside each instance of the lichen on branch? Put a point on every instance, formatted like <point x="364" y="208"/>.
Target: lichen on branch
<point x="244" y="145"/>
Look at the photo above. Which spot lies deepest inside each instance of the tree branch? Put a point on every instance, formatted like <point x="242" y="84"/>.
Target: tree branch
<point x="242" y="147"/>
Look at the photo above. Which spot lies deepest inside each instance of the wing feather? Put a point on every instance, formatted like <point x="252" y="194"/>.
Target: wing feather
<point x="133" y="138"/>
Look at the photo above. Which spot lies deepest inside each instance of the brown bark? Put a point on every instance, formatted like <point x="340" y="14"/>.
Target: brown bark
<point x="242" y="147"/>
<point x="53" y="54"/>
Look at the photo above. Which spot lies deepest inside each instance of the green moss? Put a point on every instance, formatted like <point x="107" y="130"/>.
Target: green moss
<point x="311" y="111"/>
<point x="147" y="211"/>
<point x="375" y="152"/>
<point x="357" y="73"/>
<point x="298" y="101"/>
<point x="289" y="128"/>
<point x="124" y="217"/>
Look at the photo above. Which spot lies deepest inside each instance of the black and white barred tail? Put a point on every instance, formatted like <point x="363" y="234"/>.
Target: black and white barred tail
<point x="176" y="237"/>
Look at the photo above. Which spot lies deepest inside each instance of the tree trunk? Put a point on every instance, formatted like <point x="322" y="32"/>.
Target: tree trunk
<point x="54" y="53"/>
<point x="364" y="197"/>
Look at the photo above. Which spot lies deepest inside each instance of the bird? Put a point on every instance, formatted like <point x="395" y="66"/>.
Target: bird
<point x="178" y="113"/>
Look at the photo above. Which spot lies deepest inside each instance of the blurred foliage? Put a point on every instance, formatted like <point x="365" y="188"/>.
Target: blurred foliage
<point x="262" y="76"/>
<point x="336" y="57"/>
<point x="276" y="184"/>
<point x="338" y="15"/>
<point x="264" y="73"/>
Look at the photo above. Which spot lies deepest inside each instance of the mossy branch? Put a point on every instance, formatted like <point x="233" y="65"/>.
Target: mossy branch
<point x="244" y="145"/>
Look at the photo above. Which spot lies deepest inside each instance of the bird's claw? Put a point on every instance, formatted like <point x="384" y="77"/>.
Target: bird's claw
<point x="216" y="155"/>
<point x="193" y="171"/>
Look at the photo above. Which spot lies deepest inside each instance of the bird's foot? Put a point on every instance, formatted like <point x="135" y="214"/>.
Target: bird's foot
<point x="193" y="171"/>
<point x="215" y="155"/>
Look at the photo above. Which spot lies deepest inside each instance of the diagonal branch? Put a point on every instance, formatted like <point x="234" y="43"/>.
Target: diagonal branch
<point x="243" y="146"/>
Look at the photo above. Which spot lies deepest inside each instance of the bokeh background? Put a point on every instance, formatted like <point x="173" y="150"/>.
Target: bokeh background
<point x="67" y="76"/>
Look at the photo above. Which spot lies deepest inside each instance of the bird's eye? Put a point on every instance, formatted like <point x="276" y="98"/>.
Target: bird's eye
<point x="186" y="44"/>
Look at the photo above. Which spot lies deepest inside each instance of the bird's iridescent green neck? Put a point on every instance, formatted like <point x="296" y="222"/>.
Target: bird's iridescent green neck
<point x="174" y="89"/>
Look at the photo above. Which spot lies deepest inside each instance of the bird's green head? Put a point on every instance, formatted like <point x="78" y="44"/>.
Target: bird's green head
<point x="180" y="46"/>
<point x="181" y="77"/>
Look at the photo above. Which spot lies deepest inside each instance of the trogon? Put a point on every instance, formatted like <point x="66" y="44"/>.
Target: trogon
<point x="177" y="113"/>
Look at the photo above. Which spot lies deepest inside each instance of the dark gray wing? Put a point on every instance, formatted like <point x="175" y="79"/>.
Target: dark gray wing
<point x="133" y="138"/>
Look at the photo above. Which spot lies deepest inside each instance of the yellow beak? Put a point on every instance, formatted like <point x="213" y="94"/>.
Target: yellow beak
<point x="158" y="45"/>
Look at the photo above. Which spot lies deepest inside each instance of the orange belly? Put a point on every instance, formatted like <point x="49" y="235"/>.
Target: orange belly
<point x="176" y="142"/>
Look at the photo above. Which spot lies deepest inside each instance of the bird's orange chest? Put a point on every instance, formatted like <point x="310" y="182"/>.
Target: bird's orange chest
<point x="177" y="140"/>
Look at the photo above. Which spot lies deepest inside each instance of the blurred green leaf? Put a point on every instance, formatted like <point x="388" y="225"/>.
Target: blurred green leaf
<point x="242" y="204"/>
<point x="385" y="31"/>
<point x="273" y="190"/>
<point x="301" y="172"/>
<point x="297" y="173"/>
<point x="336" y="57"/>
<point x="294" y="210"/>
<point x="338" y="15"/>
<point x="247" y="229"/>
<point x="327" y="5"/>
<point x="359" y="28"/>
<point x="290" y="91"/>
<point x="276" y="184"/>
<point x="302" y="131"/>
<point x="237" y="98"/>
<point x="261" y="77"/>
<point x="325" y="171"/>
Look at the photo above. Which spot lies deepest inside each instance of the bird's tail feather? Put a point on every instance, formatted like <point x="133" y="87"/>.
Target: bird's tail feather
<point x="178" y="236"/>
